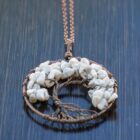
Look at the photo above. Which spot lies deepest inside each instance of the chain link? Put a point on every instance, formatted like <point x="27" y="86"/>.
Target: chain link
<point x="68" y="38"/>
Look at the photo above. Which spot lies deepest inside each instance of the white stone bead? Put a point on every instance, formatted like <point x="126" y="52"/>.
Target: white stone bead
<point x="34" y="76"/>
<point x="30" y="84"/>
<point x="37" y="73"/>
<point x="31" y="91"/>
<point x="55" y="74"/>
<point x="84" y="70"/>
<point x="113" y="97"/>
<point x="103" y="104"/>
<point x="96" y="82"/>
<point x="103" y="89"/>
<point x="42" y="94"/>
<point x="74" y="63"/>
<point x="102" y="74"/>
<point x="47" y="69"/>
<point x="107" y="95"/>
<point x="100" y="82"/>
<point x="37" y="69"/>
<point x="96" y="67"/>
<point x="90" y="93"/>
<point x="95" y="100"/>
<point x="111" y="90"/>
<point x="73" y="60"/>
<point x="44" y="64"/>
<point x="67" y="72"/>
<point x="49" y="83"/>
<point x="41" y="79"/>
<point x="46" y="96"/>
<point x="64" y="65"/>
<point x="36" y="86"/>
<point x="58" y="75"/>
<point x="97" y="87"/>
<point x="85" y="61"/>
<point x="106" y="80"/>
<point x="98" y="93"/>
<point x="56" y="65"/>
<point x="112" y="82"/>
<point x="51" y="75"/>
<point x="92" y="74"/>
<point x="32" y="98"/>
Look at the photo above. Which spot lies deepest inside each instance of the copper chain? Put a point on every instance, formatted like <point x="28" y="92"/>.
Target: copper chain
<point x="68" y="37"/>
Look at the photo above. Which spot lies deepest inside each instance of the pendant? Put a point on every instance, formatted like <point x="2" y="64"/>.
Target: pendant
<point x="54" y="75"/>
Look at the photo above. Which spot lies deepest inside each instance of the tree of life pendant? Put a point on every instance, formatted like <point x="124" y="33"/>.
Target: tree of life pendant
<point x="44" y="82"/>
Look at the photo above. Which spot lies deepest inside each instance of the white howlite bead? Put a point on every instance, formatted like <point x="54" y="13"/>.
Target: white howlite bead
<point x="51" y="75"/>
<point x="90" y="93"/>
<point x="67" y="72"/>
<point x="41" y="79"/>
<point x="97" y="87"/>
<point x="95" y="100"/>
<point x="106" y="80"/>
<point x="113" y="97"/>
<point x="56" y="65"/>
<point x="37" y="73"/>
<point x="107" y="95"/>
<point x="98" y="93"/>
<point x="37" y="69"/>
<point x="73" y="60"/>
<point x="49" y="83"/>
<point x="74" y="63"/>
<point x="96" y="82"/>
<point x="100" y="82"/>
<point x="84" y="70"/>
<point x="103" y="89"/>
<point x="44" y="64"/>
<point x="103" y="104"/>
<point x="47" y="69"/>
<point x="111" y="90"/>
<point x="46" y="96"/>
<point x="85" y="61"/>
<point x="36" y="86"/>
<point x="64" y="65"/>
<point x="42" y="94"/>
<point x="30" y="84"/>
<point x="34" y="76"/>
<point x="32" y="98"/>
<point x="31" y="91"/>
<point x="102" y="74"/>
<point x="92" y="74"/>
<point x="55" y="74"/>
<point x="112" y="82"/>
<point x="96" y="67"/>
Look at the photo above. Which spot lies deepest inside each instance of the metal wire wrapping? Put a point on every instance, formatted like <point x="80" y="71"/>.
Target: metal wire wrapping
<point x="61" y="113"/>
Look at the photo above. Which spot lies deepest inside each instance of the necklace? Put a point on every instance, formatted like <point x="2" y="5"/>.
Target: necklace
<point x="43" y="83"/>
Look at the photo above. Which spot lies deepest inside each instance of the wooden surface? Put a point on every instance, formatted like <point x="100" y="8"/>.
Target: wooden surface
<point x="107" y="31"/>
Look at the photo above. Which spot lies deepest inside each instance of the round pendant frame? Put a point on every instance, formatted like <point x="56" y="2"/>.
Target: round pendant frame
<point x="62" y="116"/>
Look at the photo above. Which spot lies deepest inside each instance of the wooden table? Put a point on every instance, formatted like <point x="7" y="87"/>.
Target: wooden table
<point x="107" y="31"/>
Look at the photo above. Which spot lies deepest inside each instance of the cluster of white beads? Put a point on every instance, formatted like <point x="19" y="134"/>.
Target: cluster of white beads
<point x="101" y="86"/>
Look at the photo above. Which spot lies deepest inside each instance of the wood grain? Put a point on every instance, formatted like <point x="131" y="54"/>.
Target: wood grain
<point x="31" y="32"/>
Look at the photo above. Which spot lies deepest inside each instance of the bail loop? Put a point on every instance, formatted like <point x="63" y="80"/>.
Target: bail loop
<point x="68" y="53"/>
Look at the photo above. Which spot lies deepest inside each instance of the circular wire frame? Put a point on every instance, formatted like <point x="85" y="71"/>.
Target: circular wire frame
<point x="64" y="117"/>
